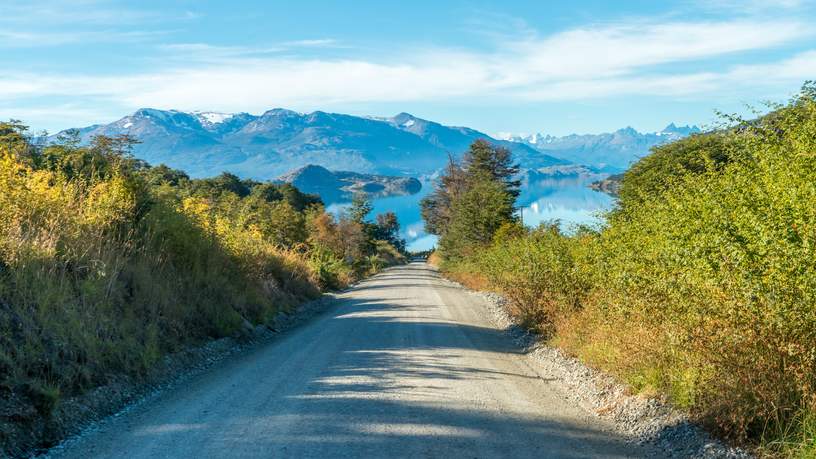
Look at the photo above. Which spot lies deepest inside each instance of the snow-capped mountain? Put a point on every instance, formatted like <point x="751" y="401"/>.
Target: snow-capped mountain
<point x="614" y="151"/>
<point x="280" y="140"/>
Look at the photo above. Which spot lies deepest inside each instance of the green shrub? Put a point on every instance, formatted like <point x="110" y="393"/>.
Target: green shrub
<point x="108" y="264"/>
<point x="701" y="285"/>
<point x="537" y="274"/>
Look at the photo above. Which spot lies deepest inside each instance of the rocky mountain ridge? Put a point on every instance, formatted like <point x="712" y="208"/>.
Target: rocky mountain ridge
<point x="280" y="140"/>
<point x="611" y="152"/>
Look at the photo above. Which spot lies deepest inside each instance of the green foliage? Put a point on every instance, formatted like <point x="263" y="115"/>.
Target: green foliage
<point x="224" y="183"/>
<point x="668" y="163"/>
<point x="360" y="208"/>
<point x="387" y="229"/>
<point x="472" y="201"/>
<point x="536" y="272"/>
<point x="486" y="162"/>
<point x="476" y="215"/>
<point x="108" y="264"/>
<point x="331" y="271"/>
<point x="436" y="207"/>
<point x="44" y="397"/>
<point x="702" y="285"/>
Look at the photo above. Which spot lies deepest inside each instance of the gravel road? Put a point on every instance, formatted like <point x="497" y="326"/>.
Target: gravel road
<point x="402" y="365"/>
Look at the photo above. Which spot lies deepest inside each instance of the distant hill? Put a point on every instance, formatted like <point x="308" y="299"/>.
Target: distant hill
<point x="611" y="152"/>
<point x="568" y="171"/>
<point x="266" y="146"/>
<point x="610" y="185"/>
<point x="332" y="186"/>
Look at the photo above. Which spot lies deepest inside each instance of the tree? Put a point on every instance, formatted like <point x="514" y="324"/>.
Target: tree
<point x="269" y="192"/>
<point x="360" y="208"/>
<point x="163" y="175"/>
<point x="388" y="228"/>
<point x="286" y="226"/>
<point x="484" y="161"/>
<point x="298" y="199"/>
<point x="436" y="207"/>
<point x="472" y="200"/>
<point x="475" y="217"/>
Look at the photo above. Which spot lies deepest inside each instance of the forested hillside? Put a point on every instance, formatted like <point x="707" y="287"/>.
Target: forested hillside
<point x="699" y="287"/>
<point x="107" y="264"/>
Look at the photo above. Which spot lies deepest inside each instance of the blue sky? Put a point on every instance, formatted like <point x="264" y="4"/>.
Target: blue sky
<point x="509" y="66"/>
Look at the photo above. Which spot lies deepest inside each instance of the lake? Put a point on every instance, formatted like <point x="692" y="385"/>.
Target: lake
<point x="569" y="201"/>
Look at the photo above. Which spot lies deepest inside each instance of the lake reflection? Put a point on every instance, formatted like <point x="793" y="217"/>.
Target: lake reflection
<point x="407" y="210"/>
<point x="570" y="201"/>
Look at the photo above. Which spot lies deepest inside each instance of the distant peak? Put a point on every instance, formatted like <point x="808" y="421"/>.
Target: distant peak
<point x="309" y="169"/>
<point x="152" y="112"/>
<point x="281" y="112"/>
<point x="312" y="167"/>
<point x="628" y="130"/>
<point x="212" y="117"/>
<point x="308" y="172"/>
<point x="509" y="136"/>
<point x="406" y="120"/>
<point x="683" y="130"/>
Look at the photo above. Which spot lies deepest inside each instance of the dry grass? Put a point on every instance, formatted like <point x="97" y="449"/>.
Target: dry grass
<point x="102" y="275"/>
<point x="434" y="259"/>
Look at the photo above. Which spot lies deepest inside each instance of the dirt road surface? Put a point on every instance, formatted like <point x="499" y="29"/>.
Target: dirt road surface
<point x="402" y="365"/>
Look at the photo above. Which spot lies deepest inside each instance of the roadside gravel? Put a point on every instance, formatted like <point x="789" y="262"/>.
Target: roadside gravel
<point x="401" y="365"/>
<point x="79" y="416"/>
<point x="643" y="420"/>
<point x="404" y="364"/>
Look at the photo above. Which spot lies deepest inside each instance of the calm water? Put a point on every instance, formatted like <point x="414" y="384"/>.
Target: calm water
<point x="570" y="201"/>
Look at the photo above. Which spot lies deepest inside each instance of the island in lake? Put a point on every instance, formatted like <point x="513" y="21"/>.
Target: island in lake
<point x="334" y="185"/>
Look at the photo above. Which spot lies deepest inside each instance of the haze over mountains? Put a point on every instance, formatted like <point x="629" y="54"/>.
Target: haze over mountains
<point x="266" y="146"/>
<point x="611" y="152"/>
<point x="279" y="141"/>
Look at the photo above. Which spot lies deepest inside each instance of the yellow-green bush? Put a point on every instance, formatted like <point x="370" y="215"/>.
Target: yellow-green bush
<point x="107" y="264"/>
<point x="702" y="283"/>
<point x="536" y="272"/>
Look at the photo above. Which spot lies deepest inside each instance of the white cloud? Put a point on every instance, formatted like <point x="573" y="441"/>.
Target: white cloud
<point x="751" y="6"/>
<point x="204" y="52"/>
<point x="28" y="24"/>
<point x="619" y="49"/>
<point x="583" y="63"/>
<point x="73" y="12"/>
<point x="16" y="39"/>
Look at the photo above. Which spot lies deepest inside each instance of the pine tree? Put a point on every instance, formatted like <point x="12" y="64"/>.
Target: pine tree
<point x="484" y="161"/>
<point x="472" y="200"/>
<point x="436" y="207"/>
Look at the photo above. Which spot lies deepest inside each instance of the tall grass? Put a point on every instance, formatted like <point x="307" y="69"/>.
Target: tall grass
<point x="104" y="268"/>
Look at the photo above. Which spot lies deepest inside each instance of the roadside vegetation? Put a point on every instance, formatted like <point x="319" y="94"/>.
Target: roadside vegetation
<point x="108" y="264"/>
<point x="700" y="286"/>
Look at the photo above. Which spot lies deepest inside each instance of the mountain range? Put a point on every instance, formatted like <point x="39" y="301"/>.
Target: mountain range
<point x="278" y="141"/>
<point x="610" y="152"/>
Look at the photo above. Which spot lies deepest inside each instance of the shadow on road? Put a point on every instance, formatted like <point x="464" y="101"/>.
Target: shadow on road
<point x="394" y="378"/>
